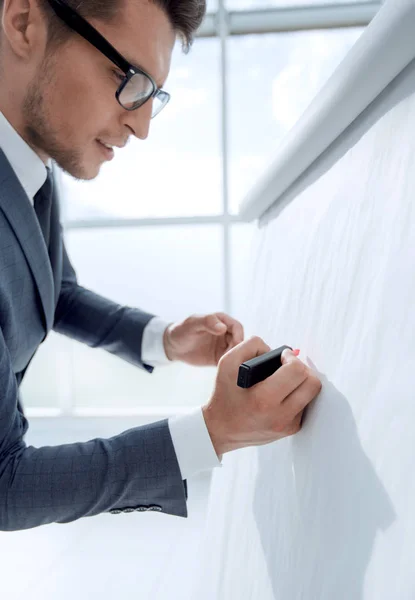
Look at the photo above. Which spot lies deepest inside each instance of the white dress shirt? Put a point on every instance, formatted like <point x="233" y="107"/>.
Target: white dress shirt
<point x="191" y="439"/>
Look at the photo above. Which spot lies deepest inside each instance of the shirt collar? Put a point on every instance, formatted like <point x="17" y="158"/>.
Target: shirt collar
<point x="28" y="166"/>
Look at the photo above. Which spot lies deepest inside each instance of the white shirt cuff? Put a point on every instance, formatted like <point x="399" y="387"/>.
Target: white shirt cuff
<point x="192" y="443"/>
<point x="152" y="347"/>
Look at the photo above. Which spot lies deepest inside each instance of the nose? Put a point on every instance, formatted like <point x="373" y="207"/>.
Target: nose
<point x="139" y="119"/>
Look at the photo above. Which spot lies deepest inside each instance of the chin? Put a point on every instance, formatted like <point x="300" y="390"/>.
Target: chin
<point x="91" y="172"/>
<point x="85" y="171"/>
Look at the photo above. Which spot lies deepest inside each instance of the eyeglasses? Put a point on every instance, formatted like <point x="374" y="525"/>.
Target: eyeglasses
<point x="137" y="86"/>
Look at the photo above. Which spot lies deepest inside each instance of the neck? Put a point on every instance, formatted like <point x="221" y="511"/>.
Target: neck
<point x="16" y="120"/>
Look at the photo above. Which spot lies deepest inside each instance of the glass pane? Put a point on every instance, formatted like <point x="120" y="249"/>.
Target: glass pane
<point x="242" y="240"/>
<point x="177" y="170"/>
<point x="172" y="272"/>
<point x="47" y="383"/>
<point x="272" y="79"/>
<point x="252" y="4"/>
<point x="211" y="6"/>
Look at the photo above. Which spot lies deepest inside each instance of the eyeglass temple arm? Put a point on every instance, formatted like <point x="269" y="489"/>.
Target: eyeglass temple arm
<point x="89" y="33"/>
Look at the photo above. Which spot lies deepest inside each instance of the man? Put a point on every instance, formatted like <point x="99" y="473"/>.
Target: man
<point x="68" y="92"/>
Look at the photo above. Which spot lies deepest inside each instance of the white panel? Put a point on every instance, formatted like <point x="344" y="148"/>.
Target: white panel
<point x="329" y="514"/>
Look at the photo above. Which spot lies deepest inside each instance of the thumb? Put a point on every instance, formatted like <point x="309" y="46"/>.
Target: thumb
<point x="289" y="355"/>
<point x="215" y="325"/>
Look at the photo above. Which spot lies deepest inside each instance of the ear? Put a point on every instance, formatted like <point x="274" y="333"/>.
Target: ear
<point x="24" y="27"/>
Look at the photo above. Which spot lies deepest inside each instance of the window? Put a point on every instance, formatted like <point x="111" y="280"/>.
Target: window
<point x="272" y="79"/>
<point x="192" y="256"/>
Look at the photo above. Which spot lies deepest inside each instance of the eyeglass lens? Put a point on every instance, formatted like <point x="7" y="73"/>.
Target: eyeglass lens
<point x="138" y="89"/>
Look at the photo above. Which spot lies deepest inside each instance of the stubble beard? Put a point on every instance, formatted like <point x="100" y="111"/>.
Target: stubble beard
<point x="38" y="129"/>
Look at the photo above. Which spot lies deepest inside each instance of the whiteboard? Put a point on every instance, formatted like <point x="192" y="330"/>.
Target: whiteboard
<point x="329" y="514"/>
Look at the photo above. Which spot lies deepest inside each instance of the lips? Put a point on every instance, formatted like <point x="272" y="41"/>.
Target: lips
<point x="114" y="145"/>
<point x="109" y="146"/>
<point x="108" y="152"/>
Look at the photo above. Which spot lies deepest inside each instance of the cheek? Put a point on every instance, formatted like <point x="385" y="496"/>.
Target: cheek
<point x="84" y="102"/>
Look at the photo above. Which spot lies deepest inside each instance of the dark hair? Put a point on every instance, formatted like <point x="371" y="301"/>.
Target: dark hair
<point x="185" y="16"/>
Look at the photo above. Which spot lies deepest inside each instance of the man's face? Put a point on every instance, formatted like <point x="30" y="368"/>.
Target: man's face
<point x="70" y="103"/>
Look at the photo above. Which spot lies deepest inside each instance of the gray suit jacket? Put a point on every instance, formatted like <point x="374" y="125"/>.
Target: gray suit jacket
<point x="135" y="470"/>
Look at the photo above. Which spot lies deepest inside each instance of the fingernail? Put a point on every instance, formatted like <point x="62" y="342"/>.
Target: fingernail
<point x="296" y="352"/>
<point x="219" y="325"/>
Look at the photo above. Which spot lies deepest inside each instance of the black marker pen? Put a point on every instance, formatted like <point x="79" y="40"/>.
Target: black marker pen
<point x="259" y="368"/>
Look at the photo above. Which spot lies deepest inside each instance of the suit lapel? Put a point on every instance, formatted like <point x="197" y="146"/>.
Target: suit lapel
<point x="22" y="218"/>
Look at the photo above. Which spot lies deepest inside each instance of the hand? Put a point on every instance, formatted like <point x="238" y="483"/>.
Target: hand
<point x="268" y="411"/>
<point x="197" y="341"/>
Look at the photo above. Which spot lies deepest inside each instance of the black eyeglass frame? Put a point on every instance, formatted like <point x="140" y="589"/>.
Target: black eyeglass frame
<point x="74" y="20"/>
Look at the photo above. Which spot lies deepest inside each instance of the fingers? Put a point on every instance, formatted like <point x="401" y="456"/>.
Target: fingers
<point x="266" y="412"/>
<point x="296" y="424"/>
<point x="290" y="416"/>
<point x="293" y="384"/>
<point x="204" y="322"/>
<point x="287" y="378"/>
<point x="303" y="395"/>
<point x="234" y="327"/>
<point x="287" y="356"/>
<point x="250" y="348"/>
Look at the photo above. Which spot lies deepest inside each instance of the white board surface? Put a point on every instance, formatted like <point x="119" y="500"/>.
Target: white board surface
<point x="329" y="514"/>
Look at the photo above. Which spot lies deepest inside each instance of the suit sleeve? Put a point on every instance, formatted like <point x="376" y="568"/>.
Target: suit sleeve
<point x="98" y="322"/>
<point x="136" y="470"/>
<point x="130" y="471"/>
